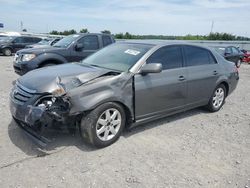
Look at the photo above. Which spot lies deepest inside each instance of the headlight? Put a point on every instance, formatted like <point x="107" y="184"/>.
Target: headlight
<point x="28" y="57"/>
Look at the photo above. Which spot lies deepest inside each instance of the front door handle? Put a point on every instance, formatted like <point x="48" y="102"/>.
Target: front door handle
<point x="215" y="73"/>
<point x="182" y="78"/>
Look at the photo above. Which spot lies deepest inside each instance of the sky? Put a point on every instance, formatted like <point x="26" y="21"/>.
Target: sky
<point x="158" y="17"/>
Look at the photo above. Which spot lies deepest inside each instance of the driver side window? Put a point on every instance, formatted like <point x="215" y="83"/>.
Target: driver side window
<point x="170" y="57"/>
<point x="89" y="42"/>
<point x="18" y="40"/>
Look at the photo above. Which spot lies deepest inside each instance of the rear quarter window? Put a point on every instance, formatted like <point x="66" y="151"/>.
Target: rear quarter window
<point x="106" y="40"/>
<point x="196" y="56"/>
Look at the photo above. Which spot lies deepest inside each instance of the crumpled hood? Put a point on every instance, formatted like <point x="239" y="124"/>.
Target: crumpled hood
<point x="41" y="50"/>
<point x="70" y="75"/>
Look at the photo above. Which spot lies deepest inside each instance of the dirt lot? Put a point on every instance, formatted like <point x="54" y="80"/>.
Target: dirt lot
<point x="191" y="149"/>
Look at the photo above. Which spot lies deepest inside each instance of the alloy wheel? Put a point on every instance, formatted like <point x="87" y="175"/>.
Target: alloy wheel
<point x="108" y="124"/>
<point x="218" y="97"/>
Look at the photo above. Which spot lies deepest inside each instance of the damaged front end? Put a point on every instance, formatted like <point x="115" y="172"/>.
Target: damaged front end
<point x="47" y="110"/>
<point x="34" y="112"/>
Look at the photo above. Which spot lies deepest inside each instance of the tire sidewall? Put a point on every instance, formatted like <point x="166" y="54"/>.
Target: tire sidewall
<point x="89" y="123"/>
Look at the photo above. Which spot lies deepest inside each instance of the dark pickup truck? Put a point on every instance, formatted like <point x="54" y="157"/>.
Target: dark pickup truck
<point x="72" y="48"/>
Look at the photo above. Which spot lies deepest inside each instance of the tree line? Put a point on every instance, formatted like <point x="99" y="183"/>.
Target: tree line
<point x="127" y="35"/>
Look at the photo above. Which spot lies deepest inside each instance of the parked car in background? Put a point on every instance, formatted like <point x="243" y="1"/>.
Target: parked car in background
<point x="9" y="45"/>
<point x="72" y="48"/>
<point x="231" y="53"/>
<point x="122" y="85"/>
<point x="47" y="42"/>
<point x="246" y="58"/>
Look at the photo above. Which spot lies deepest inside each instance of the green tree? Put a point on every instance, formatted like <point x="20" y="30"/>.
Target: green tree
<point x="54" y="32"/>
<point x="84" y="30"/>
<point x="106" y="32"/>
<point x="119" y="36"/>
<point x="128" y="35"/>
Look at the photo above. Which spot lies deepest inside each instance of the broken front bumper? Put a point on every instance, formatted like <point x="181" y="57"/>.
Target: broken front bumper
<point x="33" y="134"/>
<point x="32" y="119"/>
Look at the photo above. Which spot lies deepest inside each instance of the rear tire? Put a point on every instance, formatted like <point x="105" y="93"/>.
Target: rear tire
<point x="7" y="52"/>
<point x="217" y="99"/>
<point x="103" y="126"/>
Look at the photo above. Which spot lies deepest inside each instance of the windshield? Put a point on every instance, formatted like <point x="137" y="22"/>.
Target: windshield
<point x="65" y="42"/>
<point x="220" y="50"/>
<point x="120" y="57"/>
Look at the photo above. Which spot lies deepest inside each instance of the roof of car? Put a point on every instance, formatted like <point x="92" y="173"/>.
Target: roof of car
<point x="161" y="42"/>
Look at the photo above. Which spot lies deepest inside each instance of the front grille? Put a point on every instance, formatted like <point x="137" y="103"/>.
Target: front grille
<point x="21" y="94"/>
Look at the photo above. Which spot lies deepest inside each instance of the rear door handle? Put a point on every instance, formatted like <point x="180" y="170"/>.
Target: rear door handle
<point x="182" y="78"/>
<point x="215" y="73"/>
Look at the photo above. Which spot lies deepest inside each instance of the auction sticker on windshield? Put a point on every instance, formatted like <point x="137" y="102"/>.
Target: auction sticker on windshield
<point x="132" y="52"/>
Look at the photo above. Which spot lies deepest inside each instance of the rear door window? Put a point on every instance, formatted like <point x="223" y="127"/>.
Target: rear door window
<point x="28" y="40"/>
<point x="106" y="40"/>
<point x="198" y="56"/>
<point x="170" y="57"/>
<point x="36" y="40"/>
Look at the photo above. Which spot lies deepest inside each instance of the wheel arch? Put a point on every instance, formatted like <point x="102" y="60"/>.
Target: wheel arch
<point x="50" y="61"/>
<point x="225" y="83"/>
<point x="7" y="47"/>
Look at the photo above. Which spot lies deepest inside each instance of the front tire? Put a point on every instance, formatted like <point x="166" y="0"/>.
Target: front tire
<point x="103" y="126"/>
<point x="217" y="99"/>
<point x="7" y="52"/>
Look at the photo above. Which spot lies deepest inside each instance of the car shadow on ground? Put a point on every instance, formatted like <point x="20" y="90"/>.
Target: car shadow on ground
<point x="163" y="121"/>
<point x="61" y="138"/>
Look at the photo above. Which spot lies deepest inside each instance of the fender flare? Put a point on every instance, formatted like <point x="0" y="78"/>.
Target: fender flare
<point x="51" y="56"/>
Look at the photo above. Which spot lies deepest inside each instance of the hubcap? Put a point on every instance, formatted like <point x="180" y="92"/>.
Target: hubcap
<point x="7" y="52"/>
<point x="218" y="97"/>
<point x="108" y="124"/>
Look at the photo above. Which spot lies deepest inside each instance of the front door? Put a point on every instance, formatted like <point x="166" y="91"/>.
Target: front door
<point x="161" y="93"/>
<point x="90" y="45"/>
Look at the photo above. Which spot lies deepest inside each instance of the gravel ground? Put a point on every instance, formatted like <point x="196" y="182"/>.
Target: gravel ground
<point x="191" y="149"/>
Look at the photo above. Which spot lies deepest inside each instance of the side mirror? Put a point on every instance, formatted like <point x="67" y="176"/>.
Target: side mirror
<point x="79" y="46"/>
<point x="151" y="68"/>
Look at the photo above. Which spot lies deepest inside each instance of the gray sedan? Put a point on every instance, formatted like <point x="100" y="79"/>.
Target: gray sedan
<point x="122" y="85"/>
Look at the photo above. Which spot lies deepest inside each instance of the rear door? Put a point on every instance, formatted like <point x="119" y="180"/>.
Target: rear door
<point x="161" y="93"/>
<point x="202" y="74"/>
<point x="90" y="45"/>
